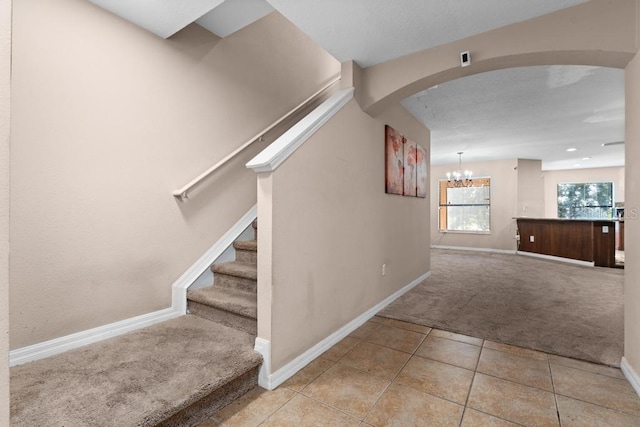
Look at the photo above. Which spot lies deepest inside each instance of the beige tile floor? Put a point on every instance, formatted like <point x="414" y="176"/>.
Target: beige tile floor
<point x="391" y="373"/>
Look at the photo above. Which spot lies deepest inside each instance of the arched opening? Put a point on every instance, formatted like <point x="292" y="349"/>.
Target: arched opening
<point x="514" y="127"/>
<point x="594" y="35"/>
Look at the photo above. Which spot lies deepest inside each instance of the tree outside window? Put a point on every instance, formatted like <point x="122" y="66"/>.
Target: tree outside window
<point x="586" y="200"/>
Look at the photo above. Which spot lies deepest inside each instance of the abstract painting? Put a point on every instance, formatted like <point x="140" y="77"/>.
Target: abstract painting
<point x="410" y="150"/>
<point x="394" y="157"/>
<point x="405" y="165"/>
<point x="421" y="172"/>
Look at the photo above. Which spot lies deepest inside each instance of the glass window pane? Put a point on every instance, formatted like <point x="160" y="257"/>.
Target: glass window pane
<point x="468" y="218"/>
<point x="589" y="200"/>
<point x="465" y="208"/>
<point x="468" y="195"/>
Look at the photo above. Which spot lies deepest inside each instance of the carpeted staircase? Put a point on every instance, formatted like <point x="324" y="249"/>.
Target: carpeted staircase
<point x="232" y="300"/>
<point x="175" y="373"/>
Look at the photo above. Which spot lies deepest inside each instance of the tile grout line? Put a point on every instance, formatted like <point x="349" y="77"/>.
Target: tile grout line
<point x="600" y="405"/>
<point x="395" y="376"/>
<point x="475" y="371"/>
<point x="295" y="393"/>
<point x="325" y="404"/>
<point x="555" y="395"/>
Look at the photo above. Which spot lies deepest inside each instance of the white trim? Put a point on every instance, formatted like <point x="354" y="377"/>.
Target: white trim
<point x="467" y="248"/>
<point x="276" y="153"/>
<point x="179" y="288"/>
<point x="263" y="347"/>
<point x="271" y="381"/>
<point x="557" y="258"/>
<point x="90" y="336"/>
<point x="630" y="374"/>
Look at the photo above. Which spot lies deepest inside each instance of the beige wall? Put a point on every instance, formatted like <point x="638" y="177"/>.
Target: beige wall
<point x="632" y="226"/>
<point x="504" y="179"/>
<point x="333" y="227"/>
<point x="531" y="201"/>
<point x="600" y="33"/>
<point x="5" y="68"/>
<point x="553" y="178"/>
<point x="108" y="120"/>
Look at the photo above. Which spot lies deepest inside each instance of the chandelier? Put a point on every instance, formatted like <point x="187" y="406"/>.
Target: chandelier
<point x="459" y="178"/>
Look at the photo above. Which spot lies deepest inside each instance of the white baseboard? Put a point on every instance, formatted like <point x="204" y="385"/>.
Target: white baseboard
<point x="630" y="375"/>
<point x="62" y="344"/>
<point x="263" y="347"/>
<point x="467" y="248"/>
<point x="179" y="289"/>
<point x="557" y="258"/>
<point x="270" y="381"/>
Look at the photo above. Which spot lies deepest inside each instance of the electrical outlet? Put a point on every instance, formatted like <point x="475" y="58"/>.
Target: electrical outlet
<point x="384" y="269"/>
<point x="532" y="239"/>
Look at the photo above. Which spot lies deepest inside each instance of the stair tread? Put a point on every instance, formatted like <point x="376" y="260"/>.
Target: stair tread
<point x="140" y="378"/>
<point x="246" y="245"/>
<point x="238" y="269"/>
<point x="232" y="300"/>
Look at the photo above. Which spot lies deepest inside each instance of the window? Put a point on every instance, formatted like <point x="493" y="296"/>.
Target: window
<point x="465" y="208"/>
<point x="589" y="200"/>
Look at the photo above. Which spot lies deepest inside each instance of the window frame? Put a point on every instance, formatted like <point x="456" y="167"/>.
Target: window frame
<point x="443" y="205"/>
<point x="586" y="183"/>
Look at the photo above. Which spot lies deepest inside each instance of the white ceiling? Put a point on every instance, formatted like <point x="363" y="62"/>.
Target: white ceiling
<point x="532" y="113"/>
<point x="164" y="18"/>
<point x="375" y="31"/>
<point x="233" y="15"/>
<point x="528" y="113"/>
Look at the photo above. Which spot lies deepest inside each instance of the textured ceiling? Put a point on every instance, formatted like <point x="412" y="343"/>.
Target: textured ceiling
<point x="534" y="113"/>
<point x="529" y="113"/>
<point x="162" y="17"/>
<point x="375" y="31"/>
<point x="233" y="15"/>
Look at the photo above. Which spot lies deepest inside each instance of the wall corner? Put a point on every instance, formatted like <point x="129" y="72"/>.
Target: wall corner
<point x="351" y="76"/>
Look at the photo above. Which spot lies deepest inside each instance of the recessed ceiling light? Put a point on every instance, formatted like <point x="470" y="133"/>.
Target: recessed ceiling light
<point x="571" y="149"/>
<point x="586" y="158"/>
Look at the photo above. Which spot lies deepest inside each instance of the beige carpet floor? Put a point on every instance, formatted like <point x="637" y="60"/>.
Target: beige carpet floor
<point x="136" y="379"/>
<point x="559" y="308"/>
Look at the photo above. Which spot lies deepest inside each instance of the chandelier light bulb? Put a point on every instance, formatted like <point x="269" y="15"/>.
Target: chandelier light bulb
<point x="461" y="178"/>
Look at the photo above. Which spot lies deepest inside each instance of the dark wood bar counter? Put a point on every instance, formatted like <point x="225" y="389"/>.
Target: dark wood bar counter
<point x="579" y="239"/>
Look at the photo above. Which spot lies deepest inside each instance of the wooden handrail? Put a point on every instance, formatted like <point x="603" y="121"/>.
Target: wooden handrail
<point x="183" y="193"/>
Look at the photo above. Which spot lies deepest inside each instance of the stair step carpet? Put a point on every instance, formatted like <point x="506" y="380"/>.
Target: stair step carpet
<point x="230" y="307"/>
<point x="175" y="373"/>
<point x="246" y="251"/>
<point x="236" y="275"/>
<point x="232" y="300"/>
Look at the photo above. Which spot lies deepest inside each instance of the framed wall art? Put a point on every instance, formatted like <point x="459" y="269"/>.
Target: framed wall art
<point x="405" y="165"/>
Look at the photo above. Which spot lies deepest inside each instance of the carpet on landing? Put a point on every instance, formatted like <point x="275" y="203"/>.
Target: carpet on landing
<point x="137" y="379"/>
<point x="555" y="307"/>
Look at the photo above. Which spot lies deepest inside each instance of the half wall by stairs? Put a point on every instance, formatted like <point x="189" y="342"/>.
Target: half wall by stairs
<point x="175" y="373"/>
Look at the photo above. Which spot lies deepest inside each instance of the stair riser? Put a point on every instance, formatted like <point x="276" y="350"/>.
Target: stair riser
<point x="232" y="320"/>
<point x="233" y="282"/>
<point x="206" y="407"/>
<point x="247" y="256"/>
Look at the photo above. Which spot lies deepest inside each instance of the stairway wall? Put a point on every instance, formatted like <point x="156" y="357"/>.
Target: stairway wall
<point x="108" y="120"/>
<point x="332" y="228"/>
<point x="5" y="96"/>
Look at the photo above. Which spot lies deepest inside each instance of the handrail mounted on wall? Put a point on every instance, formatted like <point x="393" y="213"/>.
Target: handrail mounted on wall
<point x="183" y="193"/>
